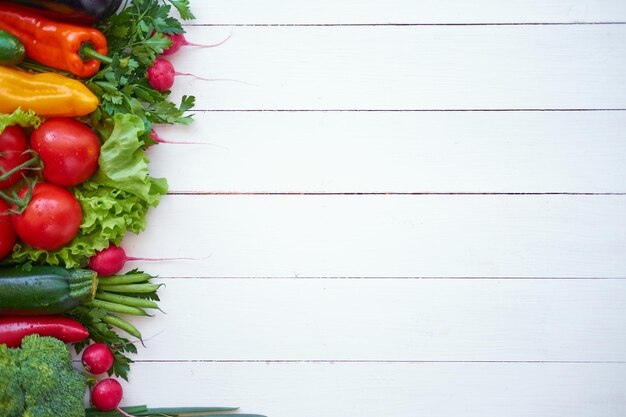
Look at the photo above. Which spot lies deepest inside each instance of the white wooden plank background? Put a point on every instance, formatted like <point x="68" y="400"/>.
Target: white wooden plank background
<point x="413" y="208"/>
<point x="396" y="152"/>
<point x="410" y="67"/>
<point x="406" y="11"/>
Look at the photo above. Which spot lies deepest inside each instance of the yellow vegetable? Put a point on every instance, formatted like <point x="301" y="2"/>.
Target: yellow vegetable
<point x="46" y="94"/>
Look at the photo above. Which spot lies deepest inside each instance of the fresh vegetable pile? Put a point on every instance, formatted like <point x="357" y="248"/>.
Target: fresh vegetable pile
<point x="82" y="86"/>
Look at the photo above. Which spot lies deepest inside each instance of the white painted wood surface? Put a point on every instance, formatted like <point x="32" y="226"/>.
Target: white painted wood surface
<point x="409" y="67"/>
<point x="228" y="12"/>
<point x="456" y="250"/>
<point x="396" y="152"/>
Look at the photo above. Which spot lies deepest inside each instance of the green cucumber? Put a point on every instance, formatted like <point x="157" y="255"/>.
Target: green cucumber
<point x="12" y="51"/>
<point x="45" y="289"/>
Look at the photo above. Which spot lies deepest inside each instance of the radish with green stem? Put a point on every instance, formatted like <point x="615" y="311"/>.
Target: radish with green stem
<point x="111" y="260"/>
<point x="161" y="75"/>
<point x="179" y="40"/>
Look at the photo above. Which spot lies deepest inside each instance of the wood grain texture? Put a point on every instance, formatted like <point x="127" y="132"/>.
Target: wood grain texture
<point x="388" y="320"/>
<point x="520" y="308"/>
<point x="387" y="236"/>
<point x="390" y="390"/>
<point x="396" y="152"/>
<point x="407" y="11"/>
<point x="538" y="67"/>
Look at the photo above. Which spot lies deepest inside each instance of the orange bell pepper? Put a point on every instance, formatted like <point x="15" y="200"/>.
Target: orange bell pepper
<point x="55" y="44"/>
<point x="47" y="94"/>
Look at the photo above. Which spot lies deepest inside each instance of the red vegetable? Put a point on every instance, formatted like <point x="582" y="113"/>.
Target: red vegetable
<point x="111" y="260"/>
<point x="51" y="219"/>
<point x="178" y="41"/>
<point x="161" y="75"/>
<point x="107" y="394"/>
<point x="14" y="329"/>
<point x="7" y="233"/>
<point x="97" y="358"/>
<point x="13" y="145"/>
<point x="69" y="150"/>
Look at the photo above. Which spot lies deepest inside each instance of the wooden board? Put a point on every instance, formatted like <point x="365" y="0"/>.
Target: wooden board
<point x="386" y="236"/>
<point x="415" y="68"/>
<point x="403" y="320"/>
<point x="228" y="12"/>
<point x="407" y="208"/>
<point x="523" y="152"/>
<point x="388" y="389"/>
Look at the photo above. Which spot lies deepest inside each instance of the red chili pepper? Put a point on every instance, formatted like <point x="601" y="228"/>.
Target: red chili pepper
<point x="58" y="45"/>
<point x="14" y="329"/>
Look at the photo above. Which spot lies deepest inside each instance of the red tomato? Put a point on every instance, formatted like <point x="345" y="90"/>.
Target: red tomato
<point x="13" y="144"/>
<point x="51" y="219"/>
<point x="7" y="234"/>
<point x="69" y="150"/>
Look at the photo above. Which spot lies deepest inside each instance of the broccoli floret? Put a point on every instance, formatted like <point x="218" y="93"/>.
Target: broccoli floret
<point x="49" y="385"/>
<point x="11" y="395"/>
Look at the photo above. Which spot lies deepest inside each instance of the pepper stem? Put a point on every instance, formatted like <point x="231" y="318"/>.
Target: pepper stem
<point x="87" y="52"/>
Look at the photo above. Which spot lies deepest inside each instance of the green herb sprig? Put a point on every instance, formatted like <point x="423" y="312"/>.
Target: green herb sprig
<point x="136" y="36"/>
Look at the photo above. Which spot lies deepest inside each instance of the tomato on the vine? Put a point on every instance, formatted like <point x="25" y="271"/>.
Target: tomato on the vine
<point x="13" y="145"/>
<point x="7" y="233"/>
<point x="50" y="220"/>
<point x="69" y="150"/>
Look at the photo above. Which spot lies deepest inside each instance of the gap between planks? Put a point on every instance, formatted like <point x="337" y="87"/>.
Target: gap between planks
<point x="166" y="277"/>
<point x="358" y="361"/>
<point x="390" y="193"/>
<point x="521" y="110"/>
<point x="400" y="24"/>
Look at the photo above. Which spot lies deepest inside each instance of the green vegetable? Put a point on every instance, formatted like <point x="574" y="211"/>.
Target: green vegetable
<point x="115" y="201"/>
<point x="12" y="51"/>
<point x="135" y="38"/>
<point x="96" y="317"/>
<point x="11" y="394"/>
<point x="45" y="289"/>
<point x="38" y="380"/>
<point x="19" y="117"/>
<point x="123" y="164"/>
<point x="50" y="290"/>
<point x="118" y="308"/>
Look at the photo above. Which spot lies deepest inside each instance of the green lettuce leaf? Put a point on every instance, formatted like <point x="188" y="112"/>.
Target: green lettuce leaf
<point x="114" y="201"/>
<point x="123" y="164"/>
<point x="19" y="117"/>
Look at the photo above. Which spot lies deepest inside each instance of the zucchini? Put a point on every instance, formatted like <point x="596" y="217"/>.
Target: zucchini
<point x="45" y="289"/>
<point x="12" y="51"/>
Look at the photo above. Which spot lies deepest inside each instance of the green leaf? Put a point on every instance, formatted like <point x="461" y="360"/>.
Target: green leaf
<point x="183" y="8"/>
<point x="21" y="118"/>
<point x="123" y="164"/>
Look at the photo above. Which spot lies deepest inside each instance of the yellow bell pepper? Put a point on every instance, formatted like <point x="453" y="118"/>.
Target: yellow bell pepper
<point x="47" y="94"/>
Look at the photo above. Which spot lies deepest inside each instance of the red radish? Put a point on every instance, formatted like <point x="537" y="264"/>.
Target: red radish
<point x="178" y="41"/>
<point x="111" y="260"/>
<point x="97" y="358"/>
<point x="107" y="394"/>
<point x="161" y="75"/>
